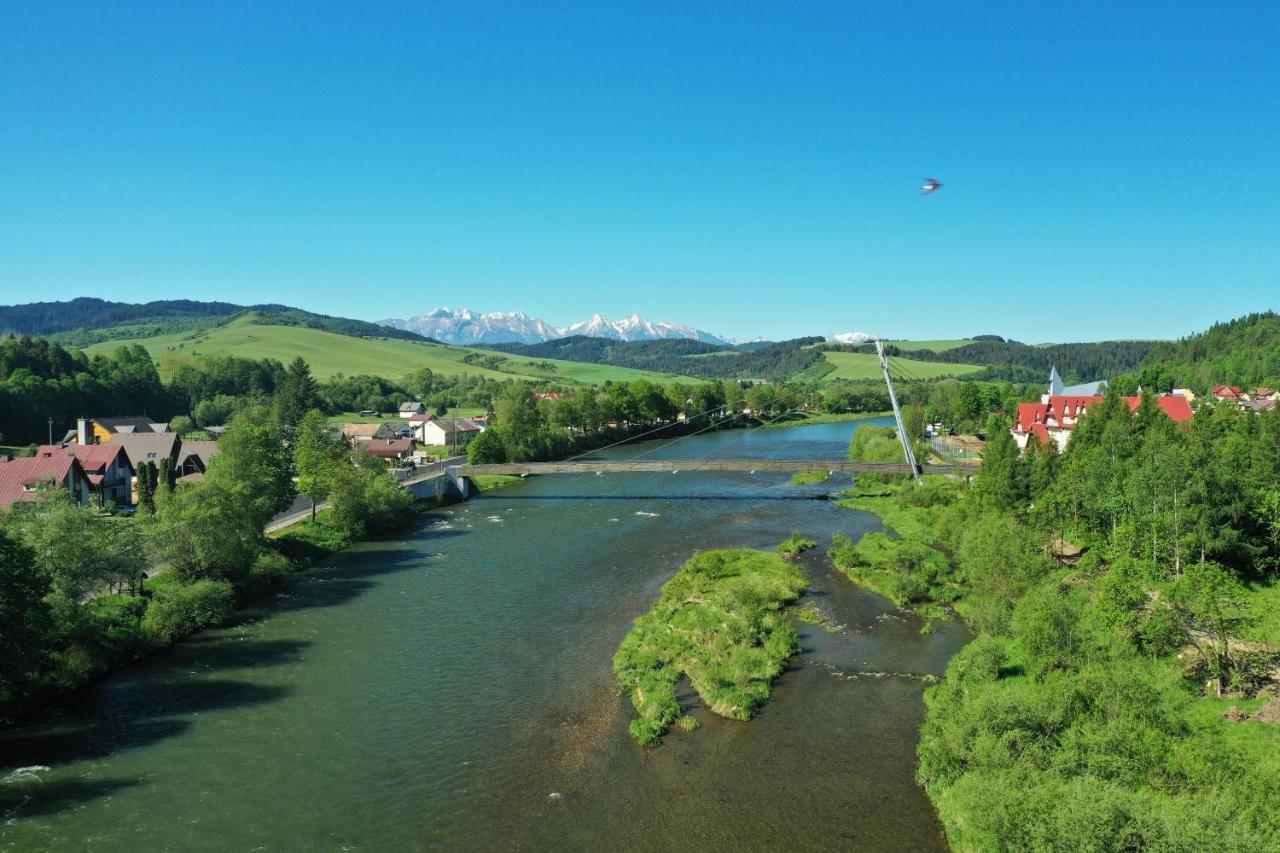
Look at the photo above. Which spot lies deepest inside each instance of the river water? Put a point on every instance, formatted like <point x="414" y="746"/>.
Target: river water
<point x="450" y="688"/>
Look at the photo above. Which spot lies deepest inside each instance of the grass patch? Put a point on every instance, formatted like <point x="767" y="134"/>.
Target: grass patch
<point x="811" y="615"/>
<point x="808" y="478"/>
<point x="719" y="621"/>
<point x="795" y="544"/>
<point x="857" y="366"/>
<point x="489" y="482"/>
<point x="309" y="541"/>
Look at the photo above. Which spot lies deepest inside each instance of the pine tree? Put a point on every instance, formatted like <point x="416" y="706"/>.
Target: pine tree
<point x="297" y="393"/>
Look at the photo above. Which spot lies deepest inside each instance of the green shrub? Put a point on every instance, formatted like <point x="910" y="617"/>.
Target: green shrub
<point x="181" y="609"/>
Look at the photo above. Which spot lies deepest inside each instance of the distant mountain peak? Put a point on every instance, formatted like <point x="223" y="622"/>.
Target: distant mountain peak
<point x="464" y="326"/>
<point x="851" y="338"/>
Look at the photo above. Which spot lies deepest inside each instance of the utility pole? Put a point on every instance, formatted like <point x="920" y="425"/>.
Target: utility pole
<point x="897" y="412"/>
<point x="51" y="430"/>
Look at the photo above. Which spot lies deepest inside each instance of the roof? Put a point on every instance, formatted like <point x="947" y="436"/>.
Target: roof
<point x="1264" y="392"/>
<point x="1226" y="391"/>
<point x="203" y="450"/>
<point x="20" y="478"/>
<point x="1058" y="409"/>
<point x="410" y="407"/>
<point x="126" y="423"/>
<point x="390" y="448"/>
<point x="455" y="424"/>
<point x="1085" y="389"/>
<point x="1262" y="404"/>
<point x="94" y="458"/>
<point x="150" y="446"/>
<point x="418" y="418"/>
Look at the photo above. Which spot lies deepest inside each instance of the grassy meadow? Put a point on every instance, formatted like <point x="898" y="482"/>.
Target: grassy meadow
<point x="330" y="354"/>
<point x="857" y="366"/>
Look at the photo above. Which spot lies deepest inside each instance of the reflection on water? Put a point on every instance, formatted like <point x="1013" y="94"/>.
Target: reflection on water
<point x="451" y="689"/>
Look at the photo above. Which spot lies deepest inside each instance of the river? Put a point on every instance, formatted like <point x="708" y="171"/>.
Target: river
<point x="450" y="688"/>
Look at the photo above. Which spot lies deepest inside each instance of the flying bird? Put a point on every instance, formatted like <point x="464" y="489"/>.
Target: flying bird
<point x="931" y="185"/>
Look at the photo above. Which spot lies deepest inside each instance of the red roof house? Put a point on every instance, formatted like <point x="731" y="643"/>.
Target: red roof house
<point x="107" y="467"/>
<point x="24" y="478"/>
<point x="1228" y="392"/>
<point x="1055" y="418"/>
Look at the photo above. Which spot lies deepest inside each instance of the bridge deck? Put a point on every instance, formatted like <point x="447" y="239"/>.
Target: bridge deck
<point x="690" y="465"/>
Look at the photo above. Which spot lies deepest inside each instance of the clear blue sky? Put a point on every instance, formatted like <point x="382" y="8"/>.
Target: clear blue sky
<point x="749" y="168"/>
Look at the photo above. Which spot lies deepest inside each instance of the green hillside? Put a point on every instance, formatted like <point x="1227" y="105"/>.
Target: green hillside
<point x="330" y="354"/>
<point x="857" y="366"/>
<point x="934" y="346"/>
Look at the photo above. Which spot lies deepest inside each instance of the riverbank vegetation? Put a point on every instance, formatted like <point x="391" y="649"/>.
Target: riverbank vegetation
<point x="1123" y="594"/>
<point x="795" y="545"/>
<point x="721" y="621"/>
<point x="808" y="478"/>
<point x="82" y="593"/>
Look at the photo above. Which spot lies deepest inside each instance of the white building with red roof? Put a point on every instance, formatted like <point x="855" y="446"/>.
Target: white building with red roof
<point x="1056" y="415"/>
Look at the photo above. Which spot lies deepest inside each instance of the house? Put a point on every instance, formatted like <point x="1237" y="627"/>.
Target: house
<point x="150" y="447"/>
<point x="103" y="430"/>
<point x="1260" y="404"/>
<point x="454" y="432"/>
<point x="194" y="457"/>
<point x="1056" y="415"/>
<point x="360" y="432"/>
<point x="546" y="395"/>
<point x="391" y="449"/>
<point x="1265" y="394"/>
<point x="1054" y="419"/>
<point x="106" y="468"/>
<point x="23" y="479"/>
<point x="412" y="408"/>
<point x="1231" y="393"/>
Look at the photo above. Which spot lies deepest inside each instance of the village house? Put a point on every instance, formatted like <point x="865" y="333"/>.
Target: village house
<point x="360" y="432"/>
<point x="1056" y="415"/>
<point x="106" y="467"/>
<point x="104" y="430"/>
<point x="194" y="457"/>
<point x="392" y="449"/>
<point x="1229" y="393"/>
<point x="412" y="408"/>
<point x="1265" y="394"/>
<point x="24" y="478"/>
<point x="453" y="432"/>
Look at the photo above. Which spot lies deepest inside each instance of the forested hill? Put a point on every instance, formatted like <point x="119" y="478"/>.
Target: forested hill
<point x="681" y="356"/>
<point x="1021" y="362"/>
<point x="87" y="320"/>
<point x="1244" y="351"/>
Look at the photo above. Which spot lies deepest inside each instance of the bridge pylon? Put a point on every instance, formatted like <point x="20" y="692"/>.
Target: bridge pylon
<point x="897" y="413"/>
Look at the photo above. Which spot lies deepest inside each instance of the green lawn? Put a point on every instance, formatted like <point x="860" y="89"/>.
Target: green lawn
<point x="329" y="354"/>
<point x="856" y="366"/>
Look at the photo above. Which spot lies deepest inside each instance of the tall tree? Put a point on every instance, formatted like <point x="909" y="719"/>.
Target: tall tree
<point x="297" y="393"/>
<point x="25" y="623"/>
<point x="316" y="453"/>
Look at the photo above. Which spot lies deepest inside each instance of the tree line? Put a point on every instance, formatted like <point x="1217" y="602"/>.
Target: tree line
<point x="1116" y="589"/>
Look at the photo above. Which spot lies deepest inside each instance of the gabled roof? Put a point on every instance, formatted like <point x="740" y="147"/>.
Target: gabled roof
<point x="202" y="450"/>
<point x="20" y="479"/>
<point x="455" y="424"/>
<point x="360" y="430"/>
<point x="149" y="446"/>
<point x="389" y="448"/>
<point x="1059" y="409"/>
<point x="1226" y="391"/>
<point x="93" y="458"/>
<point x="128" y="423"/>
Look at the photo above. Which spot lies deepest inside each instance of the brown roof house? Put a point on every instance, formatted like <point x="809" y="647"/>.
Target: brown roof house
<point x="391" y="449"/>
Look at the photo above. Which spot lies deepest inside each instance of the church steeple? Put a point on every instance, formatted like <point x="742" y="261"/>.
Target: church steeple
<point x="1056" y="388"/>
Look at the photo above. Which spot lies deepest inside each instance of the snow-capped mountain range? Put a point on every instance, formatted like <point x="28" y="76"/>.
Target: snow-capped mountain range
<point x="463" y="326"/>
<point x="851" y="338"/>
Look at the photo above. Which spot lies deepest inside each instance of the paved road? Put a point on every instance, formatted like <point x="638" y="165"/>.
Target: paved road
<point x="300" y="509"/>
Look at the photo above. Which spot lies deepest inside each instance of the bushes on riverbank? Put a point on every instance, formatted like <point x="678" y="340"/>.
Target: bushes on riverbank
<point x="721" y="622"/>
<point x="1078" y="719"/>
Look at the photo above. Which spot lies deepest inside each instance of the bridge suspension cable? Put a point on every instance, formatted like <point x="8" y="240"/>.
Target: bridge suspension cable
<point x="897" y="412"/>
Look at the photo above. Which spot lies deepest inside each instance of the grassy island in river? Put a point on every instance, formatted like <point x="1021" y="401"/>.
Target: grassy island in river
<point x="721" y="622"/>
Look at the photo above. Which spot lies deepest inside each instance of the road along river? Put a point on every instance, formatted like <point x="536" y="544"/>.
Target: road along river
<point x="450" y="688"/>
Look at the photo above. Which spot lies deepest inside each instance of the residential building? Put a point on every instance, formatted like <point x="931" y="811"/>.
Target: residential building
<point x="1265" y="394"/>
<point x="1056" y="415"/>
<point x="360" y="432"/>
<point x="106" y="467"/>
<point x="24" y="478"/>
<point x="1230" y="393"/>
<point x="1058" y="389"/>
<point x="103" y="430"/>
<point x="1185" y="392"/>
<point x="1055" y="418"/>
<point x="453" y="432"/>
<point x="1260" y="404"/>
<point x="391" y="449"/>
<point x="412" y="408"/>
<point x="194" y="457"/>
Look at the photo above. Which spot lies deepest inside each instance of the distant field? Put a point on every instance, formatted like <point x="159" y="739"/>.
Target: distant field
<point x="936" y="346"/>
<point x="855" y="366"/>
<point x="329" y="353"/>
